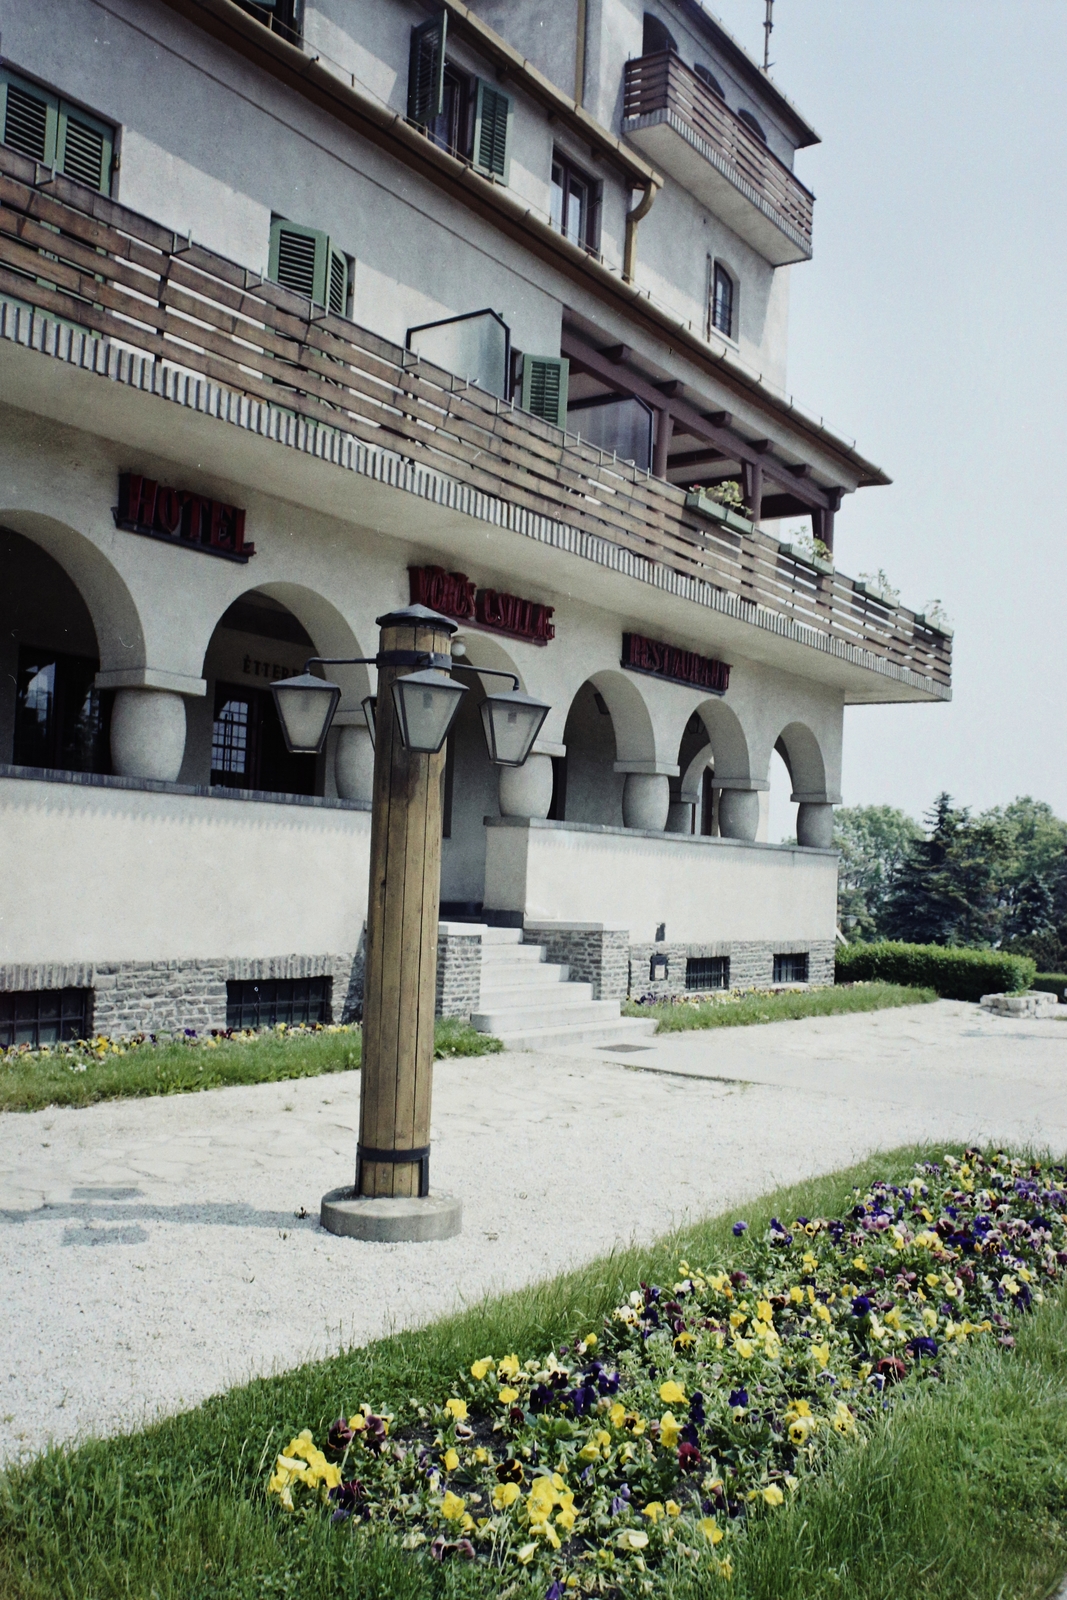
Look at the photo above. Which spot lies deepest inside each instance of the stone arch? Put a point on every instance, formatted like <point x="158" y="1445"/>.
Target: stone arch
<point x="330" y="632"/>
<point x="728" y="741"/>
<point x="802" y="754"/>
<point x="635" y="735"/>
<point x="483" y="650"/>
<point x="117" y="622"/>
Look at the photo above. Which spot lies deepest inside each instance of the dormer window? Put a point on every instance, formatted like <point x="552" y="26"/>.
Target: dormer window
<point x="657" y="37"/>
<point x="707" y="76"/>
<point x="752" y="125"/>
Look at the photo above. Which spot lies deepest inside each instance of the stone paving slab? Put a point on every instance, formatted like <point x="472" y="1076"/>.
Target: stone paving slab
<point x="152" y="1252"/>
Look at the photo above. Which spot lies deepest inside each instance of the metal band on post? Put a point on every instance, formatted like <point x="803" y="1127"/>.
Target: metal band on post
<point x="419" y="1156"/>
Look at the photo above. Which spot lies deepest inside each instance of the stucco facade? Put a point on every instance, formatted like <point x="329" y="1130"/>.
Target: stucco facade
<point x="153" y="821"/>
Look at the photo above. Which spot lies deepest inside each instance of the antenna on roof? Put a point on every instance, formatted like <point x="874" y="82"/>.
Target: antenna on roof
<point x="768" y="29"/>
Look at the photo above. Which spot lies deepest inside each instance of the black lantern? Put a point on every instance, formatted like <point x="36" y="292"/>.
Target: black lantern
<point x="512" y="722"/>
<point x="370" y="711"/>
<point x="305" y="706"/>
<point x="426" y="706"/>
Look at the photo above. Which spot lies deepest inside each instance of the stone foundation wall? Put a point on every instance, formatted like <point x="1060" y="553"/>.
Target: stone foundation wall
<point x="459" y="973"/>
<point x="595" y="953"/>
<point x="751" y="963"/>
<point x="170" y="996"/>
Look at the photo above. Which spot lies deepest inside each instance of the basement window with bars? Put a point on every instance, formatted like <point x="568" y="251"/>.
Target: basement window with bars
<point x="36" y="1017"/>
<point x="304" y="260"/>
<point x="266" y="1002"/>
<point x="41" y="125"/>
<point x="791" y="968"/>
<point x="707" y="972"/>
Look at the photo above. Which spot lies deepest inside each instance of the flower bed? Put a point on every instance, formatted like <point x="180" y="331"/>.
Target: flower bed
<point x="699" y="1405"/>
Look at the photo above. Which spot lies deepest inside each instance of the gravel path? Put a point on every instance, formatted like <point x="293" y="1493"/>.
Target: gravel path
<point x="152" y="1251"/>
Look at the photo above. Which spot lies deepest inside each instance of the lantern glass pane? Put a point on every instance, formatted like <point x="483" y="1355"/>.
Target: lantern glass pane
<point x="512" y="723"/>
<point x="370" y="711"/>
<point x="305" y="708"/>
<point x="426" y="703"/>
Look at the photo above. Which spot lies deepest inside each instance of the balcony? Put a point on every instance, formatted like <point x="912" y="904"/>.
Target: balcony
<point x="114" y="296"/>
<point x="682" y="125"/>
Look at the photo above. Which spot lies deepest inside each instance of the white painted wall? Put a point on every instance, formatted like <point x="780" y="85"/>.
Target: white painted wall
<point x="703" y="889"/>
<point x="102" y="874"/>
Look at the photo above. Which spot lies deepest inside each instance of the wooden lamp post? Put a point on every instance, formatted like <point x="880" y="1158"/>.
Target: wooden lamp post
<point x="416" y="705"/>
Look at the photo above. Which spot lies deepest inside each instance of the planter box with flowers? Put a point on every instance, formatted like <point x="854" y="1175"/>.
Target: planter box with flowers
<point x="810" y="557"/>
<point x="706" y="505"/>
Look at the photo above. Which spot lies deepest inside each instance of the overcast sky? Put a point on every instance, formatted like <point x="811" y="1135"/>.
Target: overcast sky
<point x="930" y="326"/>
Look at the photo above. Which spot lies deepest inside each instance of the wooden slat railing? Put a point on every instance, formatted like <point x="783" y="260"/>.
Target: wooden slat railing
<point x="83" y="259"/>
<point x="663" y="82"/>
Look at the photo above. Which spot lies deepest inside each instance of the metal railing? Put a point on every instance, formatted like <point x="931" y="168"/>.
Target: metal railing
<point x="663" y="82"/>
<point x="83" y="259"/>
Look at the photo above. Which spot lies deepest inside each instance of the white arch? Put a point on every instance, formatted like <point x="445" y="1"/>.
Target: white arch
<point x="802" y="754"/>
<point x="728" y="741"/>
<point x="117" y="622"/>
<point x="329" y="630"/>
<point x="635" y="736"/>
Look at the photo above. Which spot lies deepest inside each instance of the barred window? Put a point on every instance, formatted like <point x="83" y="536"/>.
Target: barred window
<point x="266" y="1002"/>
<point x="722" y="301"/>
<point x="792" y="968"/>
<point x="707" y="972"/>
<point x="34" y="1017"/>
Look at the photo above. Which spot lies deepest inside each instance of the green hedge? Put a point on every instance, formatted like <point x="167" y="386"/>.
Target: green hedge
<point x="956" y="974"/>
<point x="1052" y="983"/>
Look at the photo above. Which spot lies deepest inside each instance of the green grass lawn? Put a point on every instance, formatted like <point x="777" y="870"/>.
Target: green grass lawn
<point x="739" y="1010"/>
<point x="960" y="1493"/>
<point x="78" y="1077"/>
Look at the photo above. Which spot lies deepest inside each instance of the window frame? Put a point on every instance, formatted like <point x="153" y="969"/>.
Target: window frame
<point x="571" y="171"/>
<point x="793" y="958"/>
<point x="59" y="112"/>
<point x="719" y="272"/>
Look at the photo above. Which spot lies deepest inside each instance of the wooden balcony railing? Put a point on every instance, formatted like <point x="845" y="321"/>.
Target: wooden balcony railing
<point x="80" y="258"/>
<point x="662" y="82"/>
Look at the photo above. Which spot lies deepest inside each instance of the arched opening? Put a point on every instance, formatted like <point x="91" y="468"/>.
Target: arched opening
<point x="796" y="768"/>
<point x="51" y="713"/>
<point x="753" y="124"/>
<point x="656" y="36"/>
<point x="781" y="813"/>
<point x="234" y="736"/>
<point x="591" y="788"/>
<point x="692" y="796"/>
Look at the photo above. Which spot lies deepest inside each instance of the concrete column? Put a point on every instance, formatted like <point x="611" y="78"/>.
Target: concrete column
<point x="646" y="800"/>
<point x="148" y="734"/>
<point x="738" y="813"/>
<point x="680" y="816"/>
<point x="526" y="791"/>
<point x="815" y="825"/>
<point x="353" y="763"/>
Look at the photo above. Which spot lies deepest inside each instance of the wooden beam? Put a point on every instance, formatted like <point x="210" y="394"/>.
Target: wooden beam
<point x="664" y="429"/>
<point x="602" y="365"/>
<point x="696" y="458"/>
<point x="752" y="488"/>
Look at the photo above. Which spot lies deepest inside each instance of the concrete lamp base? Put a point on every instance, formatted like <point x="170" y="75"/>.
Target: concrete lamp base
<point x="391" y="1221"/>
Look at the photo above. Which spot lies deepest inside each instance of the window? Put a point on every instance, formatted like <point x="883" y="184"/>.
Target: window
<point x="61" y="718"/>
<point x="39" y="124"/>
<point x="304" y="260"/>
<point x="575" y="203"/>
<point x="658" y="969"/>
<point x="285" y="17"/>
<point x="248" y="749"/>
<point x="707" y="972"/>
<point x="459" y="112"/>
<point x="754" y="127"/>
<point x="544" y="387"/>
<point x="622" y="427"/>
<point x="656" y="36"/>
<point x="723" y="296"/>
<point x="265" y="1002"/>
<point x="35" y="1017"/>
<point x="707" y="76"/>
<point x="791" y="968"/>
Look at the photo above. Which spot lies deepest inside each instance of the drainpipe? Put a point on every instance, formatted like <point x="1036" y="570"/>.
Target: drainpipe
<point x="579" y="53"/>
<point x="641" y="209"/>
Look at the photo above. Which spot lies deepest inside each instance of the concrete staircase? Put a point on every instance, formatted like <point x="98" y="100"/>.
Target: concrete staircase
<point x="531" y="1004"/>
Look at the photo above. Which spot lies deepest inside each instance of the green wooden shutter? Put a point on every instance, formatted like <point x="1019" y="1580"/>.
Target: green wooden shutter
<point x="426" y="73"/>
<point x="492" y="131"/>
<point x="544" y="387"/>
<point x="299" y="259"/>
<point x="337" y="297"/>
<point x="29" y="118"/>
<point x="84" y="148"/>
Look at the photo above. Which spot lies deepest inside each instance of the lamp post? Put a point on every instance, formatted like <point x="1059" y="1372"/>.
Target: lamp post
<point x="416" y="705"/>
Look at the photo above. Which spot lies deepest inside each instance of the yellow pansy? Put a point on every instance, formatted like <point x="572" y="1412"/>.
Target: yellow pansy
<point x="509" y="1367"/>
<point x="632" y="1539"/>
<point x="671" y="1393"/>
<point x="859" y="1263"/>
<point x="673" y="1509"/>
<point x="451" y="1459"/>
<point x="452" y="1507"/>
<point x="765" y="1311"/>
<point x="527" y="1553"/>
<point x="653" y="1511"/>
<point x="773" y="1495"/>
<point x="726" y="1568"/>
<point x="737" y="1319"/>
<point x="480" y="1368"/>
<point x="617" y="1414"/>
<point x="505" y="1495"/>
<point x="481" y="1455"/>
<point x="821" y="1352"/>
<point x="796" y="1295"/>
<point x="669" y="1431"/>
<point x="743" y="1348"/>
<point x="457" y="1409"/>
<point x="893" y="1318"/>
<point x="508" y="1396"/>
<point x="822" y="1312"/>
<point x="566" y="1518"/>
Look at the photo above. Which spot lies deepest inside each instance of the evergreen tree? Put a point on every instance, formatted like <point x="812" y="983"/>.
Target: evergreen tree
<point x="873" y="842"/>
<point x="947" y="889"/>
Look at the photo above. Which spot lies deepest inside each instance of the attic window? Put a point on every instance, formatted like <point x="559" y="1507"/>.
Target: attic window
<point x="707" y="76"/>
<point x="750" y="122"/>
<point x="657" y="37"/>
